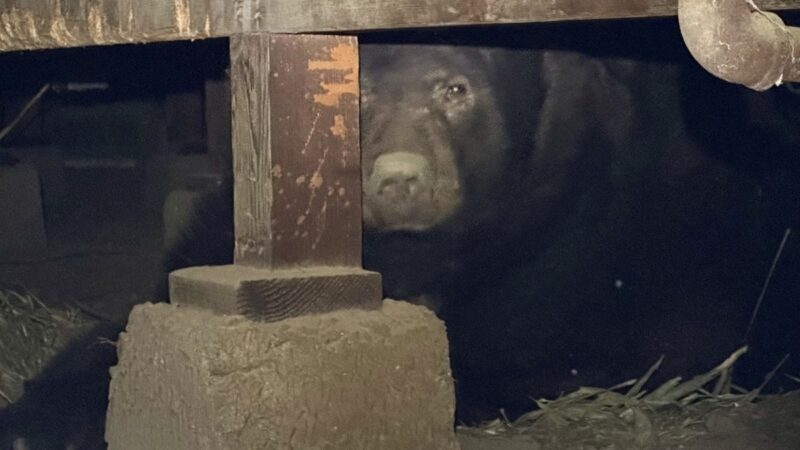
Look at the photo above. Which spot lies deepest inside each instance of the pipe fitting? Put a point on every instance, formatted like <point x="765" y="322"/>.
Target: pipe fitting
<point x="738" y="42"/>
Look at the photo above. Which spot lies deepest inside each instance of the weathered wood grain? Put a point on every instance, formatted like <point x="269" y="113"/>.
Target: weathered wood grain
<point x="308" y="293"/>
<point x="296" y="150"/>
<point x="270" y="295"/>
<point x="297" y="183"/>
<point x="315" y="169"/>
<point x="252" y="150"/>
<point x="32" y="24"/>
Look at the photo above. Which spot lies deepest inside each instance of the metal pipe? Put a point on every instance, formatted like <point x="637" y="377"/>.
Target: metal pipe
<point x="738" y="42"/>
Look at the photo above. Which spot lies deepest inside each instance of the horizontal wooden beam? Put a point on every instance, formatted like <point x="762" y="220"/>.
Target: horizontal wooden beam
<point x="39" y="24"/>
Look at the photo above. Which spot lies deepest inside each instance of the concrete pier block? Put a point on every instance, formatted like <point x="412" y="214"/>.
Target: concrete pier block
<point x="189" y="378"/>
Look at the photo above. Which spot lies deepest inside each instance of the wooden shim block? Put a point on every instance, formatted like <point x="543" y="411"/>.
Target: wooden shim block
<point x="271" y="295"/>
<point x="296" y="151"/>
<point x="32" y="24"/>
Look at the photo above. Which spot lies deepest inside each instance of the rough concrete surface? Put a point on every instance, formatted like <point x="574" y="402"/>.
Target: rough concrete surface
<point x="192" y="379"/>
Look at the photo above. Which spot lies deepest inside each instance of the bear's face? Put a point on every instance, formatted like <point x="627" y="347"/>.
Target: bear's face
<point x="431" y="132"/>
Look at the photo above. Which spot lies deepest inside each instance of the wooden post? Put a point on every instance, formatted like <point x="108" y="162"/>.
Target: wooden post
<point x="297" y="203"/>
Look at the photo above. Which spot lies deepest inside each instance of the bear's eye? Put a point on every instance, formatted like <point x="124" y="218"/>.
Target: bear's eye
<point x="455" y="91"/>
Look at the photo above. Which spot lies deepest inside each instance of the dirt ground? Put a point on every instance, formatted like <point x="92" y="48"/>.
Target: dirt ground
<point x="770" y="424"/>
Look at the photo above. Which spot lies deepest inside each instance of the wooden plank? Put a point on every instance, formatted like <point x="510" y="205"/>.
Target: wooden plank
<point x="251" y="149"/>
<point x="270" y="295"/>
<point x="296" y="150"/>
<point x="32" y="24"/>
<point x="316" y="159"/>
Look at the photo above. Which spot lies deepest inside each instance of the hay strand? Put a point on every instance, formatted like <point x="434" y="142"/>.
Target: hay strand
<point x="766" y="283"/>
<point x="591" y="417"/>
<point x="31" y="334"/>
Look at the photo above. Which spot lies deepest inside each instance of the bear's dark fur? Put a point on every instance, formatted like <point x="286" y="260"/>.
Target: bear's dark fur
<point x="602" y="205"/>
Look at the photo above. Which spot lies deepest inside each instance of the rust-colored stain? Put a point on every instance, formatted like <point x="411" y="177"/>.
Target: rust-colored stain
<point x="338" y="129"/>
<point x="343" y="59"/>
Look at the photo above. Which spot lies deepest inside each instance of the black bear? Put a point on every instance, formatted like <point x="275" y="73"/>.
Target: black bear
<point x="447" y="136"/>
<point x="573" y="206"/>
<point x="489" y="196"/>
<point x="575" y="210"/>
<point x="573" y="201"/>
<point x="567" y="211"/>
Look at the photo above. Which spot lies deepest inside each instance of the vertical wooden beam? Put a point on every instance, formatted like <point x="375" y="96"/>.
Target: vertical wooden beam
<point x="297" y="183"/>
<point x="252" y="149"/>
<point x="316" y="153"/>
<point x="296" y="150"/>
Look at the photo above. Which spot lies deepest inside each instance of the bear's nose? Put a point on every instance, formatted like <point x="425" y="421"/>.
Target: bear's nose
<point x="400" y="176"/>
<point x="399" y="185"/>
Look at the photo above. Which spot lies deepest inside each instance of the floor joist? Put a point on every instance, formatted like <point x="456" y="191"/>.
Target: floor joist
<point x="40" y="24"/>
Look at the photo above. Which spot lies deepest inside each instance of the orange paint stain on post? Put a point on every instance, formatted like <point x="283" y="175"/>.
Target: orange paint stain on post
<point x="343" y="63"/>
<point x="339" y="129"/>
